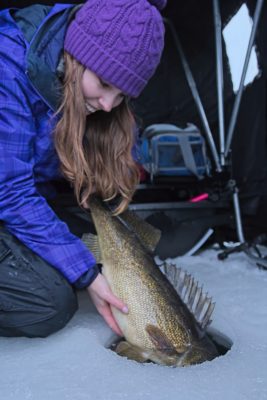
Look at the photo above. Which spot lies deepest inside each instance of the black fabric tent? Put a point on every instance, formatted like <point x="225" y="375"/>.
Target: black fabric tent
<point x="168" y="99"/>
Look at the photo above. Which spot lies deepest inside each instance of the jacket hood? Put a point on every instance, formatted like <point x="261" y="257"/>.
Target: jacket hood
<point x="44" y="28"/>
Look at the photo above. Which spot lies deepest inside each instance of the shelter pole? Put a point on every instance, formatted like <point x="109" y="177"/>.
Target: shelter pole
<point x="239" y="226"/>
<point x="220" y="82"/>
<point x="243" y="76"/>
<point x="193" y="88"/>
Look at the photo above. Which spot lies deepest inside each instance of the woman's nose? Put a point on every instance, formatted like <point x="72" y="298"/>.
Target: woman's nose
<point x="107" y="102"/>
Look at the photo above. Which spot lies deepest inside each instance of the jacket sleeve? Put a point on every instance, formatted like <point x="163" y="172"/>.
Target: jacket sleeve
<point x="24" y="211"/>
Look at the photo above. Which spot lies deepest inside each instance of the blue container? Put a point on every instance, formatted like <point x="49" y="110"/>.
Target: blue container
<point x="169" y="150"/>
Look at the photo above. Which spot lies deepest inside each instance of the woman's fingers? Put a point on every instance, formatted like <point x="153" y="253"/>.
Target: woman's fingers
<point x="108" y="317"/>
<point x="102" y="289"/>
<point x="116" y="302"/>
<point x="103" y="299"/>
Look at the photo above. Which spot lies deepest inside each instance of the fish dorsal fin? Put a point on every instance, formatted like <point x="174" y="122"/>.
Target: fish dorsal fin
<point x="91" y="242"/>
<point x="192" y="295"/>
<point x="147" y="234"/>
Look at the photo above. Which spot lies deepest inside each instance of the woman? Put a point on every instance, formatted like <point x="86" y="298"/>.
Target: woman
<point x="66" y="73"/>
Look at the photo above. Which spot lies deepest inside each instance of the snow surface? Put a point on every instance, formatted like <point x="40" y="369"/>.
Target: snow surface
<point x="75" y="364"/>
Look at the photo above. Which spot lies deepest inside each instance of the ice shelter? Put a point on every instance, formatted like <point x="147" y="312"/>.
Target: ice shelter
<point x="196" y="84"/>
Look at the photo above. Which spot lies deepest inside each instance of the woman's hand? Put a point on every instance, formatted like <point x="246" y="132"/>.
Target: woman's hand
<point x="103" y="298"/>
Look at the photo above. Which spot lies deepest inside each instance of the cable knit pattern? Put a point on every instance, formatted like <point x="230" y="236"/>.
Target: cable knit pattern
<point x="119" y="40"/>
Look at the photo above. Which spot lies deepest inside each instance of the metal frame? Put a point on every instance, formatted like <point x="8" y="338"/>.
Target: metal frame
<point x="221" y="157"/>
<point x="236" y="107"/>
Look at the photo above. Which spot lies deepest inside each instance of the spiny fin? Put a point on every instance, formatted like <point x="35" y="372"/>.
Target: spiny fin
<point x="130" y="351"/>
<point x="91" y="242"/>
<point x="148" y="234"/>
<point x="160" y="340"/>
<point x="198" y="303"/>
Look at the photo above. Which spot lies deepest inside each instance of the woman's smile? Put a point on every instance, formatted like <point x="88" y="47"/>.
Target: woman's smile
<point x="90" y="109"/>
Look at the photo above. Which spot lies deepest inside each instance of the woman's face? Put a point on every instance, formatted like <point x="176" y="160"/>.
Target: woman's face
<point x="99" y="95"/>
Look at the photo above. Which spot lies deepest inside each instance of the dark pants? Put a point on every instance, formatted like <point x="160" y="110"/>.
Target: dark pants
<point x="35" y="299"/>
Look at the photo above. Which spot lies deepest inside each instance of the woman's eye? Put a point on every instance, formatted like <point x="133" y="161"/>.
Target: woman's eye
<point x="104" y="84"/>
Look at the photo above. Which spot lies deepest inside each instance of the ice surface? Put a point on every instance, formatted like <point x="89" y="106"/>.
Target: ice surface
<point x="74" y="363"/>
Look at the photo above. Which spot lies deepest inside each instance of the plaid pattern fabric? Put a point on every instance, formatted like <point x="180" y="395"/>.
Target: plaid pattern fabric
<point x="28" y="161"/>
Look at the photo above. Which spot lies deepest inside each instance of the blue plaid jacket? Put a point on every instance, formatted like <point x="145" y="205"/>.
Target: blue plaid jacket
<point x="30" y="48"/>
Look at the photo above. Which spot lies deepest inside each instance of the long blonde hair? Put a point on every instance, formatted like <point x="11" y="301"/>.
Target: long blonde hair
<point x="95" y="151"/>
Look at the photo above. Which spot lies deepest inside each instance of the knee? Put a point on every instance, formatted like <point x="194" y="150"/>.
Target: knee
<point x="37" y="314"/>
<point x="35" y="299"/>
<point x="63" y="306"/>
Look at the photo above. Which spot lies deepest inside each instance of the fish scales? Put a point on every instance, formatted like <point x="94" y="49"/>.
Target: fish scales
<point x="148" y="286"/>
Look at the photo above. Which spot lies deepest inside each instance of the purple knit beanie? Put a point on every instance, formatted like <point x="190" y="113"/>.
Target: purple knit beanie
<point x="119" y="40"/>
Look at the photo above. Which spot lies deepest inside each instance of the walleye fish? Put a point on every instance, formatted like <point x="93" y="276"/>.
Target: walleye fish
<point x="160" y="325"/>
